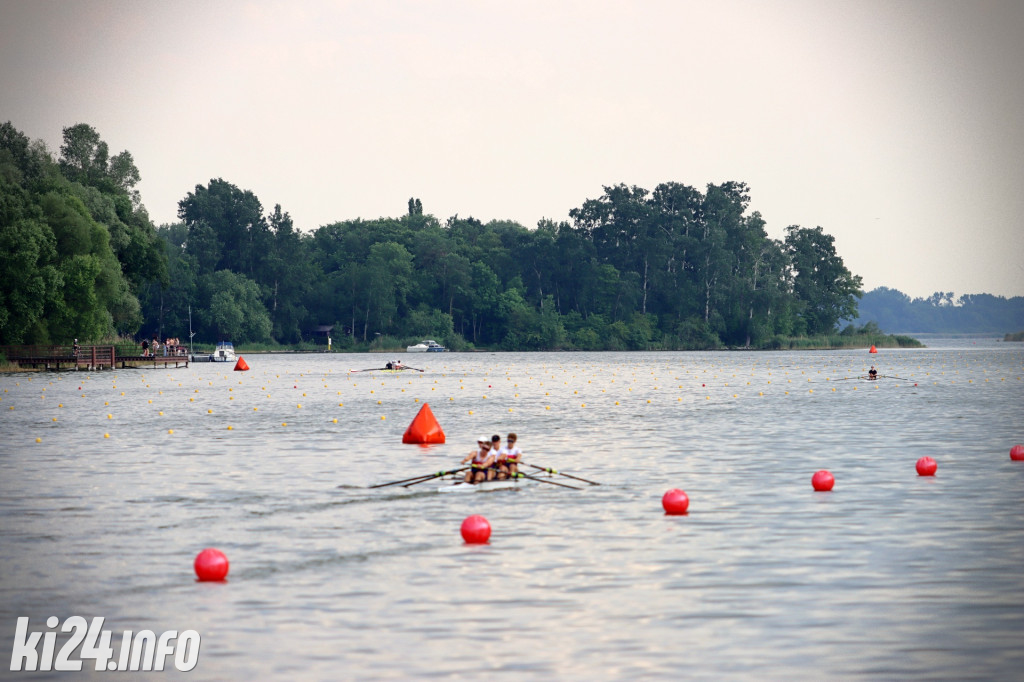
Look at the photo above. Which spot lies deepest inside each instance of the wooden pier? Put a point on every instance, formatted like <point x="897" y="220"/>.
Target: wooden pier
<point x="85" y="357"/>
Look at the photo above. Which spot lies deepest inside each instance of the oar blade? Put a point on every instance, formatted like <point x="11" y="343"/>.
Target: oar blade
<point x="561" y="473"/>
<point x="544" y="480"/>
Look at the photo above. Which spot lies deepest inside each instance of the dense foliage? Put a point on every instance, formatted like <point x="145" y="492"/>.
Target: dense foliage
<point x="942" y="313"/>
<point x="75" y="243"/>
<point x="633" y="269"/>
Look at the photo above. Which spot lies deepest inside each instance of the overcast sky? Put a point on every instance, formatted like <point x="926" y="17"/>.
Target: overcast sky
<point x="895" y="126"/>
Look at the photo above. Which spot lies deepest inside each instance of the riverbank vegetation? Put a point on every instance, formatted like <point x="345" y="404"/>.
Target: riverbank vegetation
<point x="633" y="269"/>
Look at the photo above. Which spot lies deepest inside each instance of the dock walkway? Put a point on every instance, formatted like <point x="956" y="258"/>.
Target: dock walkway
<point x="85" y="357"/>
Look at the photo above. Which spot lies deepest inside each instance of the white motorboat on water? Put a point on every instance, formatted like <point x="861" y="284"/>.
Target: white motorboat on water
<point x="427" y="346"/>
<point x="224" y="352"/>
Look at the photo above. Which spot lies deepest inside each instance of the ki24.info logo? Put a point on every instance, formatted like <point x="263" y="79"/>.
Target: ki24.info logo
<point x="142" y="650"/>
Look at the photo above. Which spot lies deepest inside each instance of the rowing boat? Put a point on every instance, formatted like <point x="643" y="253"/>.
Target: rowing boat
<point x="486" y="486"/>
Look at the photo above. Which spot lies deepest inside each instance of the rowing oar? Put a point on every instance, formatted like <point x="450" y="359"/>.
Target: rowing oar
<point x="886" y="376"/>
<point x="560" y="473"/>
<point x="384" y="369"/>
<point x="420" y="479"/>
<point x="544" y="480"/>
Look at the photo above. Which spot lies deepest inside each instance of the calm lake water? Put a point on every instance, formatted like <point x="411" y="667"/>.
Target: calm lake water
<point x="889" y="576"/>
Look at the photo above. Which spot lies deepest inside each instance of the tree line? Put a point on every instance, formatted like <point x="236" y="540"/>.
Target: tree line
<point x="675" y="267"/>
<point x="943" y="312"/>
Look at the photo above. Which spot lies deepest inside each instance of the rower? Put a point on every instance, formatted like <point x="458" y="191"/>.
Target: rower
<point x="872" y="373"/>
<point x="512" y="456"/>
<point x="496" y="450"/>
<point x="388" y="365"/>
<point x="481" y="461"/>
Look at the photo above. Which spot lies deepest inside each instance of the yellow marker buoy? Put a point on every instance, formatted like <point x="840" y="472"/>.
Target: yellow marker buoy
<point x="39" y="440"/>
<point x="170" y="430"/>
<point x="229" y="427"/>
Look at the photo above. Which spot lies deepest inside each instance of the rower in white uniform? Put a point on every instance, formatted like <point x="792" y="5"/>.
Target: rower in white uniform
<point x="508" y="458"/>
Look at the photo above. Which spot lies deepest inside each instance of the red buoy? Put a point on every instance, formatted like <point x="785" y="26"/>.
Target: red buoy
<point x="1017" y="453"/>
<point x="873" y="349"/>
<point x="926" y="466"/>
<point x="211" y="564"/>
<point x="823" y="481"/>
<point x="675" y="502"/>
<point x="241" y="365"/>
<point x="476" y="530"/>
<point x="424" y="428"/>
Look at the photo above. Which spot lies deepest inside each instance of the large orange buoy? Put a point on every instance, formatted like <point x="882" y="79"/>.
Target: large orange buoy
<point x="1017" y="453"/>
<point x="424" y="428"/>
<point x="873" y="349"/>
<point x="241" y="365"/>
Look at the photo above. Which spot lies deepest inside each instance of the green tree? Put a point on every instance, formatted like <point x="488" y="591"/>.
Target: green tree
<point x="27" y="252"/>
<point x="825" y="290"/>
<point x="231" y="308"/>
<point x="385" y="283"/>
<point x="228" y="222"/>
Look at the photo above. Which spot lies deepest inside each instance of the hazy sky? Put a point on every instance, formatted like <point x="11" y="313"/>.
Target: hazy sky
<point x="896" y="126"/>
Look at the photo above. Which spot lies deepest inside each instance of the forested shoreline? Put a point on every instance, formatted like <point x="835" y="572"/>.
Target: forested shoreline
<point x="670" y="268"/>
<point x="942" y="312"/>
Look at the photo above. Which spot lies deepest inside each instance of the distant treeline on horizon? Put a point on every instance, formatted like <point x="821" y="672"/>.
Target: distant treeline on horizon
<point x="673" y="268"/>
<point x="942" y="313"/>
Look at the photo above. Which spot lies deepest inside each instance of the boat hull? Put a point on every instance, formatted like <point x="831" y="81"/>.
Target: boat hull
<point x="225" y="352"/>
<point x="428" y="346"/>
<point x="485" y="487"/>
